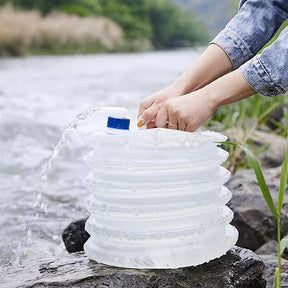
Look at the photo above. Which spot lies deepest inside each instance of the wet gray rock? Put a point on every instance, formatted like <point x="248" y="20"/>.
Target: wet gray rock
<point x="74" y="236"/>
<point x="239" y="268"/>
<point x="270" y="262"/>
<point x="252" y="218"/>
<point x="270" y="248"/>
<point x="275" y="145"/>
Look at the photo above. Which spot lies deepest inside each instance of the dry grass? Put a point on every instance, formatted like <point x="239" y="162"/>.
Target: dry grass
<point x="21" y="30"/>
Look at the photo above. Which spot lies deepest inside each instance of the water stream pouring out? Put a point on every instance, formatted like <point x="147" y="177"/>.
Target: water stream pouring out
<point x="157" y="197"/>
<point x="99" y="113"/>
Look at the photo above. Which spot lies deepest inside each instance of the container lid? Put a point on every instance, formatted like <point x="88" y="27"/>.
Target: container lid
<point x="118" y="123"/>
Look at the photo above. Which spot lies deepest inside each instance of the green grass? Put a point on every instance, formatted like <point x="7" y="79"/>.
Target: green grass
<point x="246" y="117"/>
<point x="255" y="109"/>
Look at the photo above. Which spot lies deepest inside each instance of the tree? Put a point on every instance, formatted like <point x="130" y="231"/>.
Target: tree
<point x="174" y="27"/>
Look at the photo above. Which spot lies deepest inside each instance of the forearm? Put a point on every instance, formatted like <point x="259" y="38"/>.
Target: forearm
<point x="227" y="89"/>
<point x="192" y="110"/>
<point x="212" y="64"/>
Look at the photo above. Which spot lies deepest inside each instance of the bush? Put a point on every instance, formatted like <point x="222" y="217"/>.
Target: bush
<point x="43" y="6"/>
<point x="175" y="27"/>
<point x="166" y="24"/>
<point x="132" y="16"/>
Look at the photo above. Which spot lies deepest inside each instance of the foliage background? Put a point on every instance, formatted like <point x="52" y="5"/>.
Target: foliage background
<point x="161" y="22"/>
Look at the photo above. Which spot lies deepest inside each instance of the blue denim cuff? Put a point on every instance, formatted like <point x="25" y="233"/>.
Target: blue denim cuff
<point x="259" y="79"/>
<point x="235" y="48"/>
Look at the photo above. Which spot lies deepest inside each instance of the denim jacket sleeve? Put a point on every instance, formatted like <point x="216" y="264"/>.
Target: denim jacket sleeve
<point x="267" y="72"/>
<point x="253" y="26"/>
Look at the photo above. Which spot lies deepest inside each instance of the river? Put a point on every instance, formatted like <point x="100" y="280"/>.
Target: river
<point x="39" y="97"/>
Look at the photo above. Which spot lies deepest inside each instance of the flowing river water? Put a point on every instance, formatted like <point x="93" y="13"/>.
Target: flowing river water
<point x="39" y="97"/>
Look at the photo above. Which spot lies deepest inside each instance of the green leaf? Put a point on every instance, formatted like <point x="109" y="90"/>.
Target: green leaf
<point x="283" y="181"/>
<point x="275" y="279"/>
<point x="242" y="115"/>
<point x="283" y="244"/>
<point x="253" y="162"/>
<point x="275" y="282"/>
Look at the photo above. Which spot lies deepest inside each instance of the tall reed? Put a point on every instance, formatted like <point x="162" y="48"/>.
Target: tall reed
<point x="24" y="30"/>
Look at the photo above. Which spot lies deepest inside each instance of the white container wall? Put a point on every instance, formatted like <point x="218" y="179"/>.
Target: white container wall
<point x="157" y="199"/>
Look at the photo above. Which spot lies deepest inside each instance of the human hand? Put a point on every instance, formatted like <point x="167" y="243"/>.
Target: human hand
<point x="186" y="113"/>
<point x="150" y="106"/>
<point x="191" y="111"/>
<point x="212" y="64"/>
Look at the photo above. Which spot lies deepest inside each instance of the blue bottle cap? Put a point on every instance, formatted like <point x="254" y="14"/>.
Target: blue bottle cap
<point x="118" y="123"/>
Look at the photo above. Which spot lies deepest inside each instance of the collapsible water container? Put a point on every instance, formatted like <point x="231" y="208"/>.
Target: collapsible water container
<point x="157" y="197"/>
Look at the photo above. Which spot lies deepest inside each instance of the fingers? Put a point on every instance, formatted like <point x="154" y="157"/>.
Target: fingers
<point x="162" y="117"/>
<point x="176" y="115"/>
<point x="149" y="114"/>
<point x="166" y="119"/>
<point x="145" y="104"/>
<point x="190" y="128"/>
<point x="186" y="113"/>
<point x="182" y="126"/>
<point x="152" y="104"/>
<point x="151" y="125"/>
<point x="172" y="122"/>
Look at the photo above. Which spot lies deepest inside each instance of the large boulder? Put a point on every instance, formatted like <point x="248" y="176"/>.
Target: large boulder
<point x="239" y="268"/>
<point x="252" y="217"/>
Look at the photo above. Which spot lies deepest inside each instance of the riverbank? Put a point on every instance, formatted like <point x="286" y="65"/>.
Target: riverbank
<point x="28" y="32"/>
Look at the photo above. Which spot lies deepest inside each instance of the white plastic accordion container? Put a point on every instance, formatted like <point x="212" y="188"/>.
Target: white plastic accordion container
<point x="157" y="199"/>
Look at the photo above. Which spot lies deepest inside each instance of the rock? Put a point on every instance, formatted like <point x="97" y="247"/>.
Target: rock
<point x="274" y="154"/>
<point x="269" y="248"/>
<point x="252" y="217"/>
<point x="273" y="145"/>
<point x="277" y="116"/>
<point x="239" y="268"/>
<point x="270" y="262"/>
<point x="75" y="236"/>
<point x="285" y="252"/>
